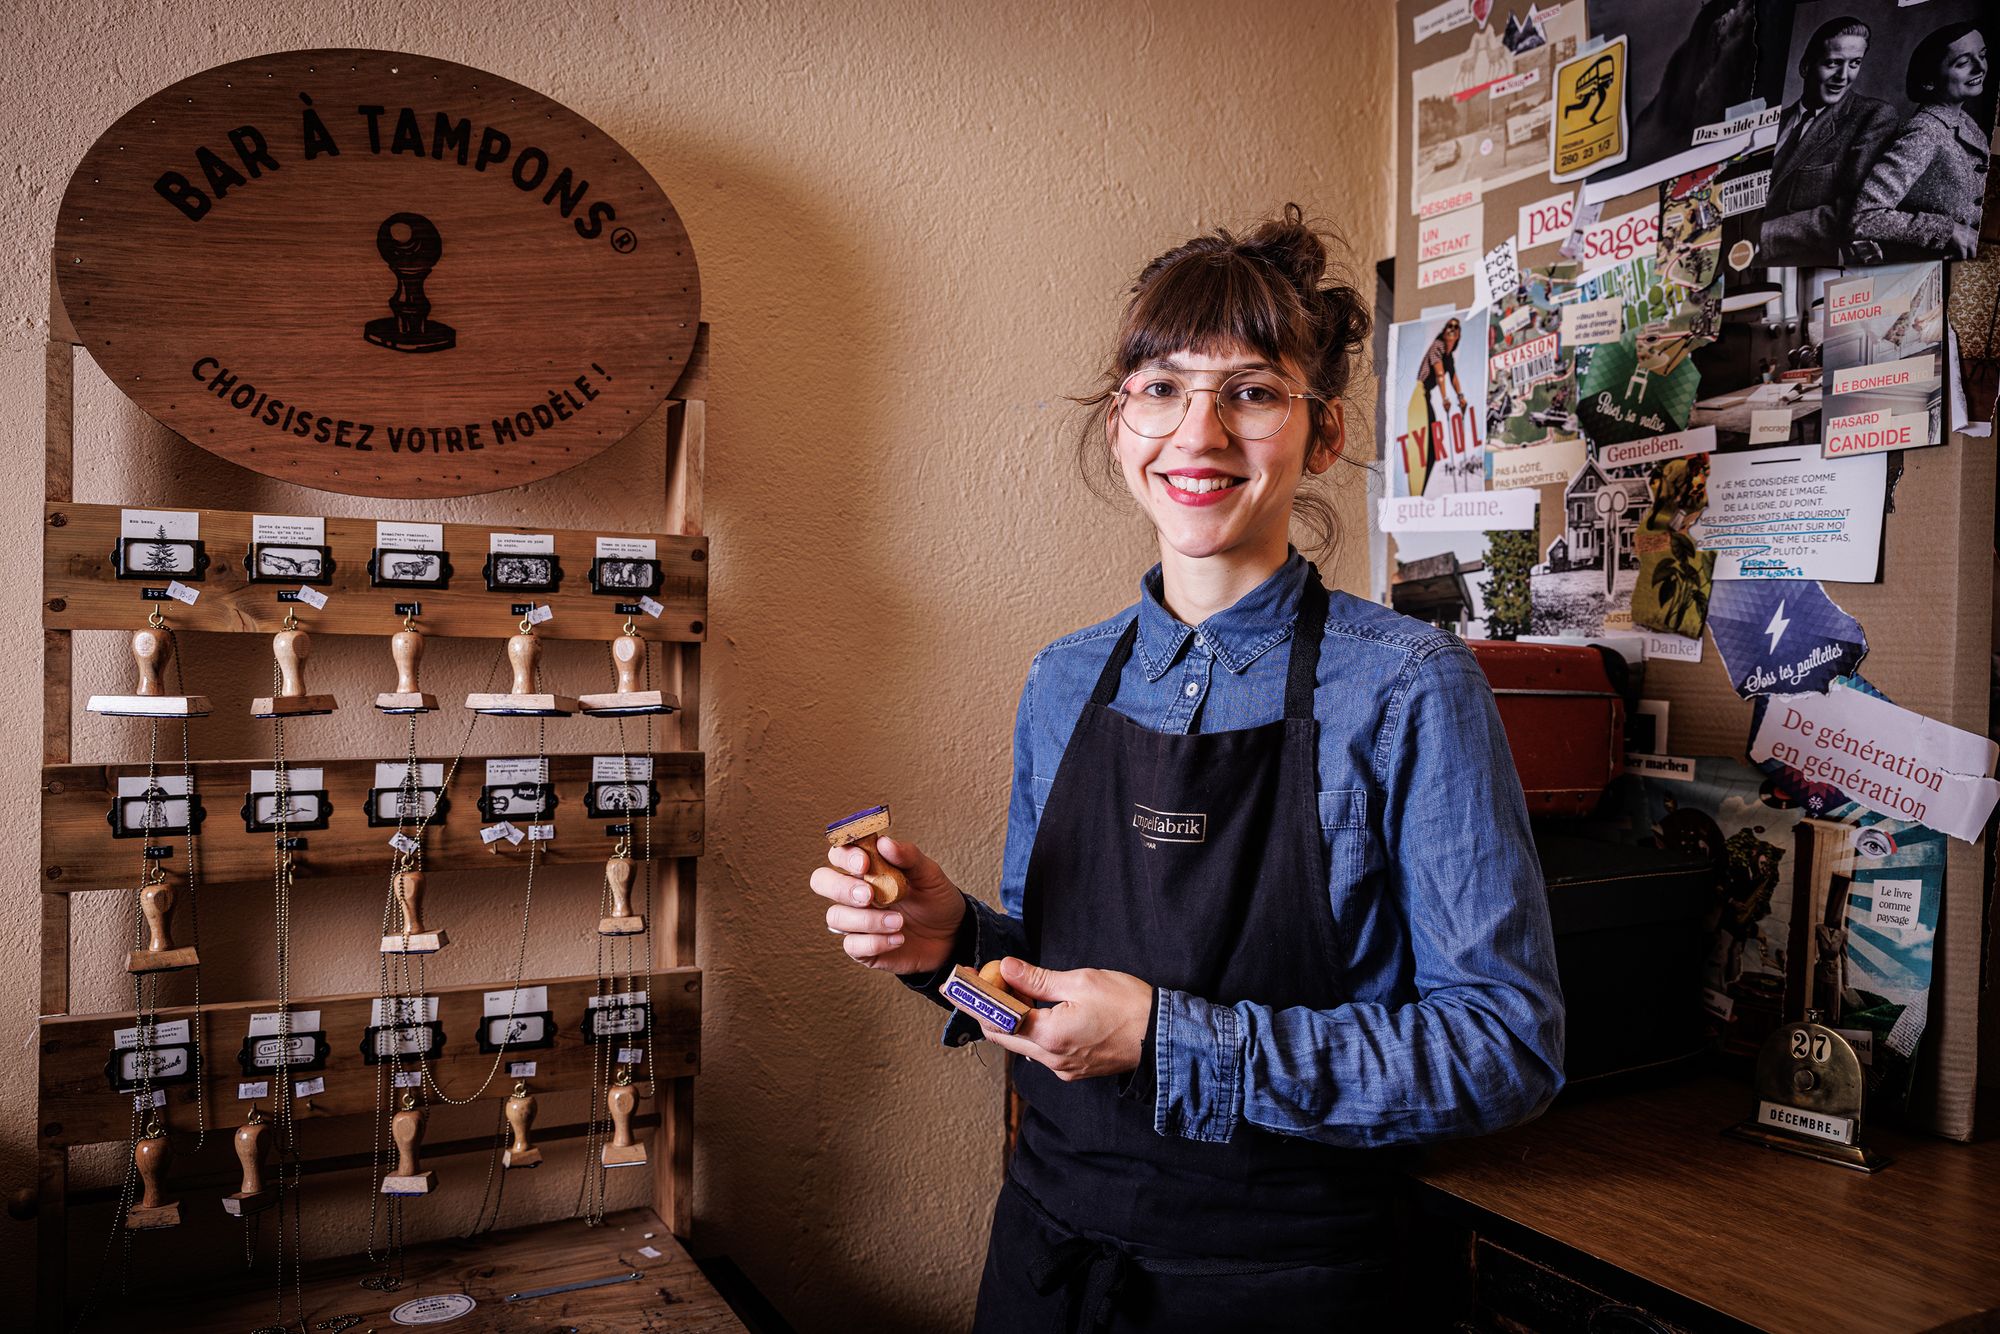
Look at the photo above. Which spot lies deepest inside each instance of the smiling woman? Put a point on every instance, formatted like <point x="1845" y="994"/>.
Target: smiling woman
<point x="1262" y="953"/>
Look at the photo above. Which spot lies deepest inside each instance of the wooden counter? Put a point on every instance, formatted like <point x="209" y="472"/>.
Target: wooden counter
<point x="1642" y="1192"/>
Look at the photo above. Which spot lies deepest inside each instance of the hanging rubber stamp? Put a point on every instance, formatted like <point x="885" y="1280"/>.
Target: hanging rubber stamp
<point x="291" y="647"/>
<point x="618" y="880"/>
<point x="150" y="1156"/>
<point x="626" y="698"/>
<point x="863" y="828"/>
<point x="623" y="1150"/>
<point x="406" y="649"/>
<point x="524" y="656"/>
<point x="253" y="1197"/>
<point x="152" y="648"/>
<point x="407" y="1129"/>
<point x="520" y="1113"/>
<point x="156" y="906"/>
<point x="408" y="887"/>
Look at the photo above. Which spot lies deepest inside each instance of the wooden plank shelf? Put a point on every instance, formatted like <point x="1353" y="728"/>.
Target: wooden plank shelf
<point x="671" y="1297"/>
<point x="80" y="1104"/>
<point x="81" y="589"/>
<point x="79" y="852"/>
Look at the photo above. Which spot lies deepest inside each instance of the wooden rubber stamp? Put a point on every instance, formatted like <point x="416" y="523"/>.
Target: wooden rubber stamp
<point x="156" y="906"/>
<point x="151" y="649"/>
<point x="407" y="1129"/>
<point x="863" y="828"/>
<point x="408" y="887"/>
<point x="153" y="1210"/>
<point x="984" y="996"/>
<point x="406" y="649"/>
<point x="618" y="879"/>
<point x="626" y="699"/>
<point x="254" y="1197"/>
<point x="520" y="1112"/>
<point x="524" y="658"/>
<point x="623" y="1150"/>
<point x="291" y="647"/>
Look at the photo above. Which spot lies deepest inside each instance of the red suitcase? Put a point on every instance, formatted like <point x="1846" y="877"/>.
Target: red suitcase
<point x="1565" y="720"/>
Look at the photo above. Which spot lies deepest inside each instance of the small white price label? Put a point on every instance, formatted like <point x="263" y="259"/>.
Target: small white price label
<point x="308" y="1088"/>
<point x="520" y="1069"/>
<point x="312" y="597"/>
<point x="180" y="592"/>
<point x="493" y="833"/>
<point x="541" y="833"/>
<point x="649" y="1252"/>
<point x="410" y="1079"/>
<point x="142" y="1101"/>
<point x="256" y="1089"/>
<point x="403" y="843"/>
<point x="514" y="835"/>
<point x="651" y="608"/>
<point x="631" y="1055"/>
<point x="539" y="614"/>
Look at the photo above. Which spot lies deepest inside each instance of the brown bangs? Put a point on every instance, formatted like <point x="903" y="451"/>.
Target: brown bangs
<point x="1207" y="304"/>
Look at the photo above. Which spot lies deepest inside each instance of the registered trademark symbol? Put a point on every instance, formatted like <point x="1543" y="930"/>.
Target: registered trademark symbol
<point x="623" y="241"/>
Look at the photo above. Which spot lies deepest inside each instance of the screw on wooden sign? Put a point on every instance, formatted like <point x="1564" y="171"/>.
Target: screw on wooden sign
<point x="503" y="235"/>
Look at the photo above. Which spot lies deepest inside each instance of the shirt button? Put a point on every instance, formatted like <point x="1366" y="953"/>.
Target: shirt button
<point x="1191" y="689"/>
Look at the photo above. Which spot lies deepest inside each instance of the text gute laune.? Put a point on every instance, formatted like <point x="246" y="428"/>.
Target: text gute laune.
<point x="242" y="393"/>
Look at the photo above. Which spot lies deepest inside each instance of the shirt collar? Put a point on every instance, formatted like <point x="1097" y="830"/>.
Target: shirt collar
<point x="1237" y="635"/>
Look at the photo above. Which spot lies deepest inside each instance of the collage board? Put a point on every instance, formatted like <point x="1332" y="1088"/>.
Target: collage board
<point x="1680" y="285"/>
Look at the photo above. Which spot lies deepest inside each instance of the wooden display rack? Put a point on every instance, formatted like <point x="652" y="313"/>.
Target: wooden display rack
<point x="76" y="1104"/>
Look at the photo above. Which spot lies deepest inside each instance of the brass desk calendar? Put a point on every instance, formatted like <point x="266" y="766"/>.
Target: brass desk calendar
<point x="1811" y="1092"/>
<point x="152" y="649"/>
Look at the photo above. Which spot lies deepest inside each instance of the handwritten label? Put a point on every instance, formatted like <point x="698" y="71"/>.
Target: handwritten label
<point x="312" y="597"/>
<point x="651" y="607"/>
<point x="180" y="592"/>
<point x="409" y="1079"/>
<point x="631" y="1055"/>
<point x="541" y="613"/>
<point x="309" y="1088"/>
<point x="521" y="1069"/>
<point x="252" y="1089"/>
<point x="404" y="843"/>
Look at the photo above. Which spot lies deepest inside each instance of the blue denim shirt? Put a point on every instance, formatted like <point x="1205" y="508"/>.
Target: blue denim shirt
<point x="1455" y="1026"/>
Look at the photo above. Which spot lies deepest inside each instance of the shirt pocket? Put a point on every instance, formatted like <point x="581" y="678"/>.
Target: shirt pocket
<point x="1343" y="828"/>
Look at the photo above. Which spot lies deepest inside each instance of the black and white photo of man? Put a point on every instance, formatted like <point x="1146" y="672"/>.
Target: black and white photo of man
<point x="1827" y="140"/>
<point x="1883" y="139"/>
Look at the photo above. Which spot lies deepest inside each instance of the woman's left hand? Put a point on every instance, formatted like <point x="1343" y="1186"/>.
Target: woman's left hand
<point x="1096" y="1027"/>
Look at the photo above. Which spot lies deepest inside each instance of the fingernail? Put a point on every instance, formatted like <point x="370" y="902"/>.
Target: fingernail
<point x="894" y="941"/>
<point x="894" y="921"/>
<point x="859" y="896"/>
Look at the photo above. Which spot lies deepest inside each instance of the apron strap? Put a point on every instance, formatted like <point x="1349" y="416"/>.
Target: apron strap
<point x="1307" y="632"/>
<point x="1121" y="653"/>
<point x="1096" y="1267"/>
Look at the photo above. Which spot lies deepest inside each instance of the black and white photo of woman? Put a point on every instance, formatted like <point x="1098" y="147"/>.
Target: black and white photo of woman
<point x="1924" y="195"/>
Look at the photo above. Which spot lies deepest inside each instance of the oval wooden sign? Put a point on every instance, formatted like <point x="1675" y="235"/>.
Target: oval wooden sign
<point x="377" y="273"/>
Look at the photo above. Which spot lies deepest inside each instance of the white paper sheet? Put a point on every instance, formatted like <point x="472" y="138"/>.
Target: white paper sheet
<point x="1467" y="512"/>
<point x="1790" y="514"/>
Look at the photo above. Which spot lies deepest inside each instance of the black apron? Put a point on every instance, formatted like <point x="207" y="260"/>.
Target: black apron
<point x="1196" y="863"/>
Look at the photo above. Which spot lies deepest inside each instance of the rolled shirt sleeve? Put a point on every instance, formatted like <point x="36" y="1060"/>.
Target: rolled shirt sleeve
<point x="1479" y="1044"/>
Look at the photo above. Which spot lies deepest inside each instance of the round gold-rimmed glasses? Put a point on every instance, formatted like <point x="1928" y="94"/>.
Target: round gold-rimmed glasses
<point x="1250" y="404"/>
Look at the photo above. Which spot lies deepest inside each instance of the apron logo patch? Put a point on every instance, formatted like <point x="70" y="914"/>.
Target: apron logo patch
<point x="1169" y="826"/>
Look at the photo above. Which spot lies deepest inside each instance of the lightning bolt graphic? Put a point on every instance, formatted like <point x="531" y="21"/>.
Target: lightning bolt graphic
<point x="1776" y="629"/>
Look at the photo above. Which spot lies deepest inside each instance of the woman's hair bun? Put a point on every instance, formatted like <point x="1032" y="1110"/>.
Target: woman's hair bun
<point x="1289" y="244"/>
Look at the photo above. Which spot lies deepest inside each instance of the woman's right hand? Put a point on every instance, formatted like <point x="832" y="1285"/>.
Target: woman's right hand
<point x="913" y="935"/>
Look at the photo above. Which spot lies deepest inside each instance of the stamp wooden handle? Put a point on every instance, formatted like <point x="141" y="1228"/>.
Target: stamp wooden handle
<point x="409" y="887"/>
<point x="150" y="1155"/>
<point x="249" y="1149"/>
<point x="408" y="1131"/>
<point x="628" y="658"/>
<point x="621" y="1099"/>
<point x="407" y="648"/>
<point x="618" y="876"/>
<point x="888" y="882"/>
<point x="291" y="648"/>
<point x="156" y="905"/>
<point x="150" y="650"/>
<point x="520" y="1116"/>
<point x="524" y="654"/>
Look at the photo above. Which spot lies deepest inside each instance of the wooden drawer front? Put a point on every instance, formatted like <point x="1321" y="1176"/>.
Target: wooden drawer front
<point x="1515" y="1294"/>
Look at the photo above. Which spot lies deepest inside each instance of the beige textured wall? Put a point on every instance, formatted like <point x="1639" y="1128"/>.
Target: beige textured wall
<point x="914" y="222"/>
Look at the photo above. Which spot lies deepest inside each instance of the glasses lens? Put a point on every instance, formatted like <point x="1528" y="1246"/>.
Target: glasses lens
<point x="1254" y="404"/>
<point x="1152" y="402"/>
